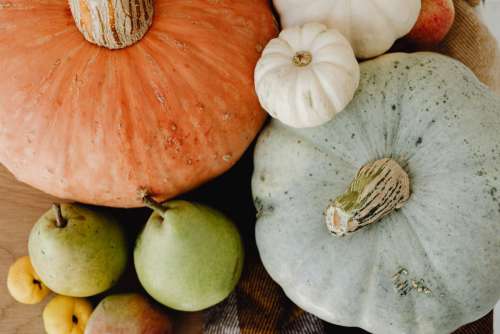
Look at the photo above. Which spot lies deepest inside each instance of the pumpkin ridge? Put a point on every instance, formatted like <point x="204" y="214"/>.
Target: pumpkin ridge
<point x="324" y="87"/>
<point x="196" y="50"/>
<point x="369" y="145"/>
<point x="67" y="162"/>
<point x="320" y="74"/>
<point x="399" y="104"/>
<point x="277" y="53"/>
<point x="390" y="25"/>
<point x="199" y="134"/>
<point x="157" y="100"/>
<point x="298" y="267"/>
<point x="371" y="278"/>
<point x="306" y="140"/>
<point x="58" y="76"/>
<point x="434" y="268"/>
<point x="193" y="95"/>
<point x="297" y="90"/>
<point x="52" y="75"/>
<point x="314" y="48"/>
<point x="336" y="65"/>
<point x="317" y="301"/>
<point x="321" y="91"/>
<point x="413" y="301"/>
<point x="271" y="71"/>
<point x="192" y="91"/>
<point x="59" y="34"/>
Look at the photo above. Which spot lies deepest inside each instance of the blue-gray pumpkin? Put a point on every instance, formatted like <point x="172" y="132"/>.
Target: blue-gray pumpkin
<point x="388" y="217"/>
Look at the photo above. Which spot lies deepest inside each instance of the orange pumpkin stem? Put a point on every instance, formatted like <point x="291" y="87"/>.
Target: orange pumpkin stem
<point x="112" y="24"/>
<point x="60" y="221"/>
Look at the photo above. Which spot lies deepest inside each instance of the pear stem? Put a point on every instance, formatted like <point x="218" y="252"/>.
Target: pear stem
<point x="60" y="221"/>
<point x="151" y="203"/>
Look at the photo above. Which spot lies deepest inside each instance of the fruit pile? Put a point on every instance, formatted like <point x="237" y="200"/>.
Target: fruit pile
<point x="375" y="182"/>
<point x="188" y="257"/>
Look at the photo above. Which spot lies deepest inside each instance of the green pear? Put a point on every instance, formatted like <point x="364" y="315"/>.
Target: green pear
<point x="128" y="313"/>
<point x="188" y="256"/>
<point x="77" y="251"/>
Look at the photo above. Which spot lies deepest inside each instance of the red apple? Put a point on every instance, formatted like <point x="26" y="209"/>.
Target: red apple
<point x="128" y="314"/>
<point x="435" y="20"/>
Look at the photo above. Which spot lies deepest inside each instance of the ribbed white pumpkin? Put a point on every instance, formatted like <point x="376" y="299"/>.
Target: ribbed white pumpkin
<point x="371" y="26"/>
<point x="427" y="268"/>
<point x="306" y="75"/>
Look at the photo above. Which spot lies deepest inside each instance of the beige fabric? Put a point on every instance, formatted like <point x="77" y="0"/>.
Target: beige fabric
<point x="471" y="42"/>
<point x="474" y="2"/>
<point x="468" y="41"/>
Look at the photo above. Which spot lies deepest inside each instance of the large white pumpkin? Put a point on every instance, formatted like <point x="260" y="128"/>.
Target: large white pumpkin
<point x="428" y="267"/>
<point x="306" y="75"/>
<point x="371" y="26"/>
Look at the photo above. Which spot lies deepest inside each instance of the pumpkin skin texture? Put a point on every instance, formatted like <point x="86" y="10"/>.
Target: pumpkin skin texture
<point x="429" y="267"/>
<point x="306" y="75"/>
<point x="371" y="26"/>
<point x="168" y="113"/>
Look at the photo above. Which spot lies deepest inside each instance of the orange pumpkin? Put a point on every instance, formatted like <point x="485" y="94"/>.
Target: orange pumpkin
<point x="166" y="114"/>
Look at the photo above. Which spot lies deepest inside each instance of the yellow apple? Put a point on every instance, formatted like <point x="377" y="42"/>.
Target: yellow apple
<point x="24" y="284"/>
<point x="66" y="315"/>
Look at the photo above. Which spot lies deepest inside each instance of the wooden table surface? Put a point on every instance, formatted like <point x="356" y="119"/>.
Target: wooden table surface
<point x="20" y="207"/>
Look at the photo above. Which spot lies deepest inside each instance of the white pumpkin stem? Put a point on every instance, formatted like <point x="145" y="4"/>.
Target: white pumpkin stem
<point x="114" y="24"/>
<point x="302" y="58"/>
<point x="379" y="188"/>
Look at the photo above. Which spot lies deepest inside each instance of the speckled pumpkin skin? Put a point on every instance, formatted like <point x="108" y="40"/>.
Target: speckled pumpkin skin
<point x="432" y="115"/>
<point x="167" y="114"/>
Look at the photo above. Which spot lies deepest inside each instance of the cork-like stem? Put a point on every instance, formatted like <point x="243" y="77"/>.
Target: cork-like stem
<point x="61" y="222"/>
<point x="114" y="24"/>
<point x="302" y="58"/>
<point x="379" y="188"/>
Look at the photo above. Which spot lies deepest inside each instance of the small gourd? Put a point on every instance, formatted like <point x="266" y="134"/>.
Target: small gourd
<point x="371" y="26"/>
<point x="409" y="175"/>
<point x="306" y="75"/>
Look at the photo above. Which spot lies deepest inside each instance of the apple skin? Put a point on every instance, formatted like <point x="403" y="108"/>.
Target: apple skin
<point x="66" y="315"/>
<point x="435" y="21"/>
<point x="191" y="258"/>
<point x="82" y="259"/>
<point x="128" y="314"/>
<point x="23" y="283"/>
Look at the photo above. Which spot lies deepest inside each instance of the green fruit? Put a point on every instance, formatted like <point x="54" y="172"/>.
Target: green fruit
<point x="189" y="256"/>
<point x="77" y="251"/>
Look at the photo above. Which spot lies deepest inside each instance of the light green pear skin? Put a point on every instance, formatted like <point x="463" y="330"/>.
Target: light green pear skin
<point x="191" y="259"/>
<point x="82" y="259"/>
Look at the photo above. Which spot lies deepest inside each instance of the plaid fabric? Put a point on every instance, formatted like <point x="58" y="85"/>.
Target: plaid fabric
<point x="258" y="305"/>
